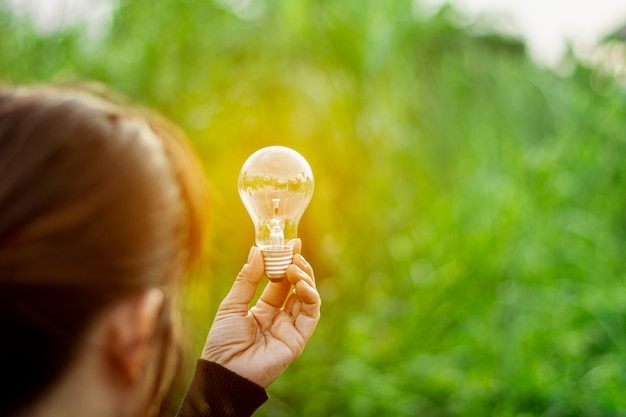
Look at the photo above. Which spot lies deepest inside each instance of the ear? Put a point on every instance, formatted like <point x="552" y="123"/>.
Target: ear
<point x="128" y="331"/>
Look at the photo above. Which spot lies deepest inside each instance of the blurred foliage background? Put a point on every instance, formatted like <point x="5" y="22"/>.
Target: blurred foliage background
<point x="468" y="227"/>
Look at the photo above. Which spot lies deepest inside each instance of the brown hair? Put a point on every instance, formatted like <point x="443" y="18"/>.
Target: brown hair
<point x="98" y="201"/>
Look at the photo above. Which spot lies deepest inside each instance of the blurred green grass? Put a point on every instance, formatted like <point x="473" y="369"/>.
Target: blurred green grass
<point x="468" y="224"/>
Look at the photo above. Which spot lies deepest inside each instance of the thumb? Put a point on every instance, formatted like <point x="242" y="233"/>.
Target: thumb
<point x="246" y="283"/>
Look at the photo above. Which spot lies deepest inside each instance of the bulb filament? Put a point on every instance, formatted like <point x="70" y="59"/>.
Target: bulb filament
<point x="277" y="227"/>
<point x="276" y="201"/>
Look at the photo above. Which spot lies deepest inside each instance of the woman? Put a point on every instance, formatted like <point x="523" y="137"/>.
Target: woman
<point x="102" y="210"/>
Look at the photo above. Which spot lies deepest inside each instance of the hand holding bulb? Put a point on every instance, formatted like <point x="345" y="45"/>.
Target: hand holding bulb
<point x="258" y="343"/>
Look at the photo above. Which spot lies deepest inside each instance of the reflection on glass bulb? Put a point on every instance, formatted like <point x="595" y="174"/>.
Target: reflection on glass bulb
<point x="275" y="186"/>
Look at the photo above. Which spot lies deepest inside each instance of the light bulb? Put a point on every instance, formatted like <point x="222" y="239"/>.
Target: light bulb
<point x="275" y="186"/>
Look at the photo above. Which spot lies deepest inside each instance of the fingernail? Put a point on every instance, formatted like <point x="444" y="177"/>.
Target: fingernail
<point x="251" y="254"/>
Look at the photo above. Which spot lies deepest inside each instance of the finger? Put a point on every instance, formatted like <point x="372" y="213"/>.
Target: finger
<point x="275" y="293"/>
<point x="309" y="297"/>
<point x="290" y="305"/>
<point x="306" y="309"/>
<point x="302" y="263"/>
<point x="246" y="283"/>
<point x="297" y="249"/>
<point x="305" y="290"/>
<point x="296" y="272"/>
<point x="295" y="305"/>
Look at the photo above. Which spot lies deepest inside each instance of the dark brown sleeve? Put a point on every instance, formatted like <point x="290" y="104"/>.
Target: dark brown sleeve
<point x="218" y="392"/>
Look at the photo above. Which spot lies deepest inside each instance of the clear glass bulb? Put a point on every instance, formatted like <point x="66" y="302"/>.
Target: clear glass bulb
<point x="275" y="186"/>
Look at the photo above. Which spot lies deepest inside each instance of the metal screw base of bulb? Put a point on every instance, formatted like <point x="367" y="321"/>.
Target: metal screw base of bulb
<point x="276" y="262"/>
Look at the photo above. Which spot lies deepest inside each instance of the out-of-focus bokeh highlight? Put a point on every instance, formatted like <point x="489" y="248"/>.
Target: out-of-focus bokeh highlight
<point x="468" y="227"/>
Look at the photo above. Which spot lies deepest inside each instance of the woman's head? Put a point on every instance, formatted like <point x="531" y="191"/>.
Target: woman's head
<point x="98" y="202"/>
